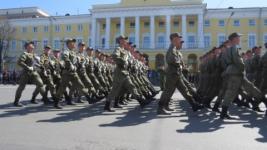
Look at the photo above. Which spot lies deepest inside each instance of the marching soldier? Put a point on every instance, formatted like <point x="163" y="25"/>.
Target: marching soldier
<point x="174" y="77"/>
<point x="69" y="73"/>
<point x="28" y="61"/>
<point x="235" y="78"/>
<point x="46" y="76"/>
<point x="81" y="69"/>
<point x="121" y="78"/>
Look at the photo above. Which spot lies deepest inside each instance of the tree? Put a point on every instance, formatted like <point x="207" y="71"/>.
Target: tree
<point x="6" y="34"/>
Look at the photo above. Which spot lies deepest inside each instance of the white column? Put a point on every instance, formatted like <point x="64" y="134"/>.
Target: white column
<point x="200" y="31"/>
<point x="98" y="45"/>
<point x="137" y="31"/>
<point x="184" y="30"/>
<point x="168" y="30"/>
<point x="122" y="26"/>
<point x="152" y="32"/>
<point x="93" y="33"/>
<point x="107" y="35"/>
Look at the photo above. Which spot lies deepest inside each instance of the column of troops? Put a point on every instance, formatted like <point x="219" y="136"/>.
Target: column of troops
<point x="226" y="76"/>
<point x="229" y="76"/>
<point x="86" y="73"/>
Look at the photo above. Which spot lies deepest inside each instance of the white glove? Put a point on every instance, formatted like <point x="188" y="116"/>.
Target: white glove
<point x="30" y="68"/>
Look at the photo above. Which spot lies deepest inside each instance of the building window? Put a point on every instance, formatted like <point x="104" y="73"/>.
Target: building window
<point x="13" y="45"/>
<point x="89" y="42"/>
<point x="251" y="41"/>
<point x="45" y="43"/>
<point x="161" y="42"/>
<point x="79" y="40"/>
<point x="132" y="39"/>
<point x="103" y="42"/>
<point x="56" y="44"/>
<point x="118" y="26"/>
<point x="24" y="29"/>
<point x="35" y="43"/>
<point x="236" y="23"/>
<point x="265" y="22"/>
<point x="45" y="28"/>
<point x="35" y="29"/>
<point x="191" y="41"/>
<point x="207" y="23"/>
<point x="132" y="25"/>
<point x="206" y="41"/>
<point x="191" y="23"/>
<point x="146" y="24"/>
<point x="221" y="39"/>
<point x="161" y="24"/>
<point x="265" y="38"/>
<point x="146" y="42"/>
<point x="176" y="23"/>
<point x="22" y="44"/>
<point x="80" y="27"/>
<point x="221" y="23"/>
<point x="57" y="28"/>
<point x="103" y="26"/>
<point x="252" y="22"/>
<point x="90" y="27"/>
<point x="68" y="28"/>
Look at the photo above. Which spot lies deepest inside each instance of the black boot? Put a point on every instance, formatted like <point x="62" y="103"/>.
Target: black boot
<point x="167" y="107"/>
<point x="143" y="102"/>
<point x="216" y="107"/>
<point x="56" y="103"/>
<point x="17" y="103"/>
<point x="69" y="101"/>
<point x="162" y="111"/>
<point x="79" y="100"/>
<point x="107" y="107"/>
<point x="116" y="104"/>
<point x="255" y="106"/>
<point x="195" y="106"/>
<point x="224" y="113"/>
<point x="90" y="100"/>
<point x="33" y="101"/>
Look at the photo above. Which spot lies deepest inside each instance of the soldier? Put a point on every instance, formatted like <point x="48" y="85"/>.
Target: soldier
<point x="255" y="63"/>
<point x="98" y="70"/>
<point x="235" y="78"/>
<point x="263" y="64"/>
<point x="121" y="78"/>
<point x="248" y="65"/>
<point x="28" y="61"/>
<point x="46" y="76"/>
<point x="69" y="73"/>
<point x="174" y="77"/>
<point x="90" y="68"/>
<point x="81" y="70"/>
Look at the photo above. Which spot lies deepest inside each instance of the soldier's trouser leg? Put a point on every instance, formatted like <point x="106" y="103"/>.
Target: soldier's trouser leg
<point x="87" y="83"/>
<point x="34" y="94"/>
<point x="232" y="89"/>
<point x="184" y="91"/>
<point x="252" y="90"/>
<point x="39" y="83"/>
<point x="22" y="83"/>
<point x="170" y="87"/>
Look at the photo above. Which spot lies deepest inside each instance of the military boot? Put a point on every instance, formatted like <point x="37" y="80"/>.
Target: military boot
<point x="225" y="115"/>
<point x="108" y="107"/>
<point x="162" y="111"/>
<point x="216" y="107"/>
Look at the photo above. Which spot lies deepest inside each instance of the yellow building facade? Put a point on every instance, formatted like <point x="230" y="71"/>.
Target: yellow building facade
<point x="148" y="24"/>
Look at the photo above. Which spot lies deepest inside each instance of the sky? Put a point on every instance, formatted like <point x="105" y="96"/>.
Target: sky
<point x="74" y="7"/>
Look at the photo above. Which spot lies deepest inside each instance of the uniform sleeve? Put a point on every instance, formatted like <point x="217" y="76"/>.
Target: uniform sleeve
<point x="172" y="58"/>
<point x="237" y="60"/>
<point x="66" y="59"/>
<point x="21" y="62"/>
<point x="117" y="56"/>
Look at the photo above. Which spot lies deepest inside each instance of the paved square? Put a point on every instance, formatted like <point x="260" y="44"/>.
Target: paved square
<point x="87" y="127"/>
